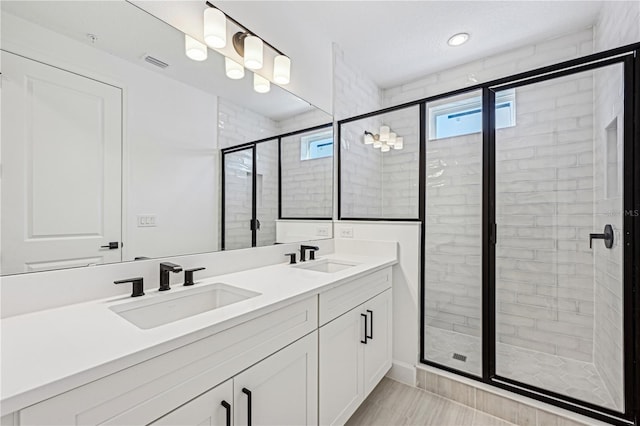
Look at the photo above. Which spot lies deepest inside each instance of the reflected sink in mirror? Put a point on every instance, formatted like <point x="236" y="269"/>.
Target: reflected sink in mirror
<point x="158" y="311"/>
<point x="326" y="265"/>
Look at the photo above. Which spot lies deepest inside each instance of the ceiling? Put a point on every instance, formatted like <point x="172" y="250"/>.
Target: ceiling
<point x="398" y="41"/>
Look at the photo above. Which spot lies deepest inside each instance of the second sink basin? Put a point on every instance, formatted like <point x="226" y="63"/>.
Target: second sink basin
<point x="158" y="311"/>
<point x="326" y="265"/>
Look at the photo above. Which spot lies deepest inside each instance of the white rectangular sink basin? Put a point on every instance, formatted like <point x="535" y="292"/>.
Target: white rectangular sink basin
<point x="163" y="309"/>
<point x="326" y="265"/>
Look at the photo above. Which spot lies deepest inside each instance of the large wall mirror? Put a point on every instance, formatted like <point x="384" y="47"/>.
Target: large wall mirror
<point x="112" y="142"/>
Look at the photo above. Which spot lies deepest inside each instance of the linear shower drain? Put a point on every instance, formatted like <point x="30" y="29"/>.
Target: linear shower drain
<point x="460" y="357"/>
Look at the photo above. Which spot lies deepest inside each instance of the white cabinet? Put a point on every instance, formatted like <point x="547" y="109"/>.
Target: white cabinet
<point x="355" y="354"/>
<point x="279" y="390"/>
<point x="282" y="389"/>
<point x="213" y="408"/>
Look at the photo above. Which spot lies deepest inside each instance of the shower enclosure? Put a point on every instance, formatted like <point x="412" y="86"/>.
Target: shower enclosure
<point x="525" y="232"/>
<point x="529" y="203"/>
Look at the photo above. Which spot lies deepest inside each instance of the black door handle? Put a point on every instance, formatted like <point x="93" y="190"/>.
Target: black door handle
<point x="370" y="336"/>
<point x="248" y="393"/>
<point x="113" y="245"/>
<point x="227" y="407"/>
<point x="365" y="329"/>
<point x="607" y="237"/>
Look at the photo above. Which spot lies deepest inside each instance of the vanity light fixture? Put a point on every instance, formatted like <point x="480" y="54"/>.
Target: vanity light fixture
<point x="260" y="84"/>
<point x="215" y="28"/>
<point x="458" y="39"/>
<point x="248" y="45"/>
<point x="194" y="49"/>
<point x="385" y="139"/>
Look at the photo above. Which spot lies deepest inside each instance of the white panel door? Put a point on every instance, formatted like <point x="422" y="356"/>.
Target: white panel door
<point x="206" y="410"/>
<point x="282" y="389"/>
<point x="61" y="168"/>
<point x="377" y="352"/>
<point x="341" y="367"/>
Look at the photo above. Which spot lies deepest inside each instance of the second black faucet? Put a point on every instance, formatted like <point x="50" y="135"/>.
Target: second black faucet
<point x="165" y="268"/>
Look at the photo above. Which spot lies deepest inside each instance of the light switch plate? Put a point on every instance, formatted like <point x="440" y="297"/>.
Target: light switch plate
<point x="147" y="220"/>
<point x="322" y="231"/>
<point x="346" y="232"/>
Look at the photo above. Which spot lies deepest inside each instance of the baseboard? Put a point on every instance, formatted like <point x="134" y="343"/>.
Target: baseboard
<point x="403" y="373"/>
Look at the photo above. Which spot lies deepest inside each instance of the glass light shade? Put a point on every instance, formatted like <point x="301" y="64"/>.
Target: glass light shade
<point x="261" y="84"/>
<point x="234" y="70"/>
<point x="377" y="144"/>
<point x="194" y="49"/>
<point x="385" y="148"/>
<point x="384" y="133"/>
<point x="368" y="139"/>
<point x="392" y="139"/>
<point x="215" y="28"/>
<point x="399" y="143"/>
<point x="253" y="52"/>
<point x="281" y="69"/>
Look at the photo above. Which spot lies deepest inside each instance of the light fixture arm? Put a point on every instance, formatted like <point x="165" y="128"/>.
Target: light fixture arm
<point x="375" y="137"/>
<point x="242" y="34"/>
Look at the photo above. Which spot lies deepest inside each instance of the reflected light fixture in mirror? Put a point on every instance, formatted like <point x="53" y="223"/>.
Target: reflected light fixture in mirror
<point x="281" y="69"/>
<point x="215" y="28"/>
<point x="385" y="139"/>
<point x="194" y="49"/>
<point x="261" y="84"/>
<point x="233" y="70"/>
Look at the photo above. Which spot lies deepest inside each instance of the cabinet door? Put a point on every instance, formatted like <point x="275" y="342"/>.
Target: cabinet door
<point x="205" y="410"/>
<point x="341" y="367"/>
<point x="377" y="351"/>
<point x="282" y="389"/>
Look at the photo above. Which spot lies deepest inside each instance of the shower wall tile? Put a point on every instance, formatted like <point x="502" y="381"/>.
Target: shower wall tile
<point x="617" y="25"/>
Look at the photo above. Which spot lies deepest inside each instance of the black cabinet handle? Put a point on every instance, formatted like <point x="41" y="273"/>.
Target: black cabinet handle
<point x="607" y="237"/>
<point x="113" y="245"/>
<point x="370" y="336"/>
<point x="248" y="393"/>
<point x="365" y="329"/>
<point x="227" y="407"/>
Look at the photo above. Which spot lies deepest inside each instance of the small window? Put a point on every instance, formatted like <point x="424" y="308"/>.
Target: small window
<point x="465" y="117"/>
<point x="316" y="145"/>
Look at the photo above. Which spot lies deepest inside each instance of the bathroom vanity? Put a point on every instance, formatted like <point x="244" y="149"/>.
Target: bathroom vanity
<point x="288" y="344"/>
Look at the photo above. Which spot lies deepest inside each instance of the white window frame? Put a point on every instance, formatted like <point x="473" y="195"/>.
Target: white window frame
<point x="468" y="104"/>
<point x="307" y="140"/>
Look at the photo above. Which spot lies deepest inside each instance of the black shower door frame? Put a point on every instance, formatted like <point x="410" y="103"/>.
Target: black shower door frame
<point x="629" y="56"/>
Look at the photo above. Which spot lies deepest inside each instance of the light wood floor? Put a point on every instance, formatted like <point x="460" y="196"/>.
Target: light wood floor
<point x="392" y="403"/>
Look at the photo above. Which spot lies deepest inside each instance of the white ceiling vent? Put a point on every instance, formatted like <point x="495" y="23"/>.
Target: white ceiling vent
<point x="155" y="61"/>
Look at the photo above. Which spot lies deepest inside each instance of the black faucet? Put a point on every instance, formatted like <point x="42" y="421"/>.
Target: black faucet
<point x="165" y="268"/>
<point x="312" y="252"/>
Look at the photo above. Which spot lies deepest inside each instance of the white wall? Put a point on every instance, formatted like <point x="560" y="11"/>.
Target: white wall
<point x="169" y="142"/>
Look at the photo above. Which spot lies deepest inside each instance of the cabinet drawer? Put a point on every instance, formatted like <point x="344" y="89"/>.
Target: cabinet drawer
<point x="146" y="391"/>
<point x="345" y="297"/>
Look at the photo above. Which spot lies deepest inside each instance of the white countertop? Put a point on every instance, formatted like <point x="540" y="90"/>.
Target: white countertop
<point x="49" y="352"/>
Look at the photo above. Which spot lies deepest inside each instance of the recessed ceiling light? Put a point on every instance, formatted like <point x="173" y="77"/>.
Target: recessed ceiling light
<point x="458" y="39"/>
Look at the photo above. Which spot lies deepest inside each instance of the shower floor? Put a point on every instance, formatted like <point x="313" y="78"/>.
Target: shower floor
<point x="565" y="376"/>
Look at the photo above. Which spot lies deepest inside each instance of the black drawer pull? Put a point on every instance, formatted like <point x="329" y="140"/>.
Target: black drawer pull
<point x="370" y="336"/>
<point x="365" y="329"/>
<point x="227" y="407"/>
<point x="248" y="393"/>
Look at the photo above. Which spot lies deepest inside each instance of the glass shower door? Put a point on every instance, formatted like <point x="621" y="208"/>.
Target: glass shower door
<point x="238" y="195"/>
<point x="559" y="220"/>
